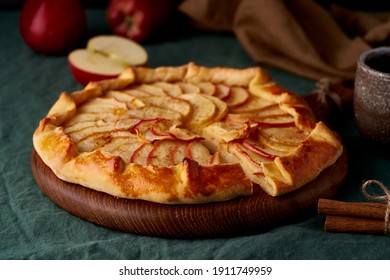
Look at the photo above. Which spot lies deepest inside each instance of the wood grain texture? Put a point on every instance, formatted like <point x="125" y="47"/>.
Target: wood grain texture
<point x="257" y="213"/>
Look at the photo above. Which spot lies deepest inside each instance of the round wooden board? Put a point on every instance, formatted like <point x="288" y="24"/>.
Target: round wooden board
<point x="256" y="213"/>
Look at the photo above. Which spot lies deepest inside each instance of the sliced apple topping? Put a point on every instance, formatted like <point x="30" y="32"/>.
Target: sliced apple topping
<point x="254" y="147"/>
<point x="161" y="154"/>
<point x="150" y="90"/>
<point x="170" y="89"/>
<point x="178" y="152"/>
<point x="99" y="104"/>
<point x="262" y="124"/>
<point x="153" y="112"/>
<point x="249" y="160"/>
<point x="238" y="96"/>
<point x="226" y="132"/>
<point x="170" y="103"/>
<point x="207" y="88"/>
<point x="141" y="154"/>
<point x="183" y="134"/>
<point x="292" y="136"/>
<point x="252" y="105"/>
<point x="222" y="91"/>
<point x="203" y="109"/>
<point x="196" y="151"/>
<point x="188" y="87"/>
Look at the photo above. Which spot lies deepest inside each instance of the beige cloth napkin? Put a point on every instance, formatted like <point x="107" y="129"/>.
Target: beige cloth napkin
<point x="299" y="36"/>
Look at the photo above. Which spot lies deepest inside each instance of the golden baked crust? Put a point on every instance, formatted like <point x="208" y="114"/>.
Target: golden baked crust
<point x="185" y="135"/>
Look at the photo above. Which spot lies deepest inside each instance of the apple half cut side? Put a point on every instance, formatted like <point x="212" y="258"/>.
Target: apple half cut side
<point x="87" y="66"/>
<point x="124" y="51"/>
<point x="105" y="58"/>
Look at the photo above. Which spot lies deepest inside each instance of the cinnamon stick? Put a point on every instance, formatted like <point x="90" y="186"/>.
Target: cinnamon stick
<point x="353" y="217"/>
<point x="354" y="225"/>
<point x="370" y="210"/>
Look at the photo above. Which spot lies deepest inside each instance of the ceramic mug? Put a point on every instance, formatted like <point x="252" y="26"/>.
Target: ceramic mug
<point x="372" y="95"/>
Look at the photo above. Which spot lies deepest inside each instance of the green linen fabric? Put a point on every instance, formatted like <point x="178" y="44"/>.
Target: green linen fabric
<point x="32" y="227"/>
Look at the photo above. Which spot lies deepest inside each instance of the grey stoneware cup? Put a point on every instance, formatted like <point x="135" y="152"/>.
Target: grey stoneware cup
<point x="372" y="96"/>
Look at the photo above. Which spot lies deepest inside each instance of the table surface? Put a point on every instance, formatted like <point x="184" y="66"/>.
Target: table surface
<point x="32" y="227"/>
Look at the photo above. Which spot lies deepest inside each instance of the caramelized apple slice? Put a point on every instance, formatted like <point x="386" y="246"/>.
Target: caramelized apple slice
<point x="170" y="103"/>
<point x="280" y="147"/>
<point x="252" y="105"/>
<point x="203" y="110"/>
<point x="255" y="148"/>
<point x="188" y="87"/>
<point x="221" y="108"/>
<point x="140" y="155"/>
<point x="170" y="89"/>
<point x="152" y="112"/>
<point x="97" y="140"/>
<point x="183" y="134"/>
<point x="99" y="105"/>
<point x="178" y="153"/>
<point x="238" y="96"/>
<point x="291" y="136"/>
<point x="222" y="91"/>
<point x="250" y="162"/>
<point x="161" y="154"/>
<point x="226" y="132"/>
<point x="150" y="90"/>
<point x="91" y="117"/>
<point x="129" y="100"/>
<point x="207" y="88"/>
<point x="196" y="151"/>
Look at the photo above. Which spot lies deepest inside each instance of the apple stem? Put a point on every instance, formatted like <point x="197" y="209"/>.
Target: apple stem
<point x="129" y="21"/>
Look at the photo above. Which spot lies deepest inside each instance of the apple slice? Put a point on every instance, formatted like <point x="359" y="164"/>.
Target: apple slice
<point x="203" y="109"/>
<point x="222" y="91"/>
<point x="256" y="149"/>
<point x="252" y="105"/>
<point x="188" y="87"/>
<point x="151" y="90"/>
<point x="122" y="50"/>
<point x="170" y="89"/>
<point x="215" y="159"/>
<point x="250" y="162"/>
<point x="174" y="104"/>
<point x="141" y="154"/>
<point x="104" y="58"/>
<point x="207" y="88"/>
<point x="161" y="155"/>
<point x="221" y="108"/>
<point x="238" y="96"/>
<point x="196" y="151"/>
<point x="226" y="132"/>
<point x="178" y="153"/>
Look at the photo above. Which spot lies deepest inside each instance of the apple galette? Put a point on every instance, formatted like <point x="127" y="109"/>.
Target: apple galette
<point x="185" y="135"/>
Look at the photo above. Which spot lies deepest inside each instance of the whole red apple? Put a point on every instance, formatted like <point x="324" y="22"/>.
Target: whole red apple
<point x="138" y="19"/>
<point x="52" y="26"/>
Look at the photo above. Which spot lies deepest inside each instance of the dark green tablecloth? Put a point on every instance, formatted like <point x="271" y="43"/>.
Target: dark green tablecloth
<point x="32" y="227"/>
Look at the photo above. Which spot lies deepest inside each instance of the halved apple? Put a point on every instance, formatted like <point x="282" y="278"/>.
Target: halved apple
<point x="122" y="50"/>
<point x="105" y="57"/>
